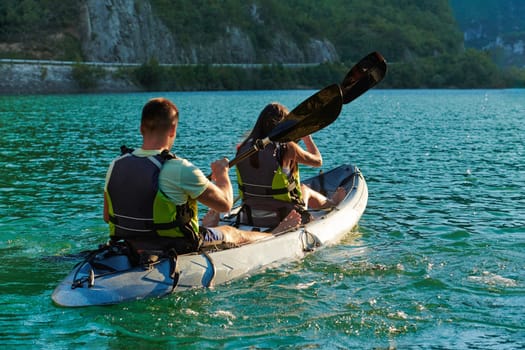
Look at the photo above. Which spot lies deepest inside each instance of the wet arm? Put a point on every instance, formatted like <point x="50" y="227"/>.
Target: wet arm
<point x="311" y="156"/>
<point x="219" y="194"/>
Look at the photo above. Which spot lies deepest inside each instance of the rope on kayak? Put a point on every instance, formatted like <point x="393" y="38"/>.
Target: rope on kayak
<point x="94" y="266"/>
<point x="89" y="260"/>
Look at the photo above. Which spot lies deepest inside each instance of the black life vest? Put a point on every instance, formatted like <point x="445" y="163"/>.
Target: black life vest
<point x="138" y="209"/>
<point x="268" y="193"/>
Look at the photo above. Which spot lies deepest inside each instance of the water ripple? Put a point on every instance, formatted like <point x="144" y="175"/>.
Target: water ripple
<point x="437" y="260"/>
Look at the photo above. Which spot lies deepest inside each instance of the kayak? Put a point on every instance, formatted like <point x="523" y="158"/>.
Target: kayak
<point x="111" y="274"/>
<point x="114" y="273"/>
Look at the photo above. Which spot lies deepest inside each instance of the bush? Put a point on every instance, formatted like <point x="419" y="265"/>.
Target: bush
<point x="150" y="74"/>
<point x="87" y="76"/>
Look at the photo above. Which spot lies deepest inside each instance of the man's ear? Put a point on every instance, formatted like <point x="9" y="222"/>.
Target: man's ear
<point x="173" y="131"/>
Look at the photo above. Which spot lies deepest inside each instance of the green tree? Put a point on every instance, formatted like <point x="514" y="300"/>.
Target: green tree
<point x="87" y="77"/>
<point x="149" y="75"/>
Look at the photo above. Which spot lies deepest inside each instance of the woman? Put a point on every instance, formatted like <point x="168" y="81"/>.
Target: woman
<point x="269" y="182"/>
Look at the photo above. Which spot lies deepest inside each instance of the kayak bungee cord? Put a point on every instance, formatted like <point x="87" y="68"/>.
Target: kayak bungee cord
<point x="90" y="278"/>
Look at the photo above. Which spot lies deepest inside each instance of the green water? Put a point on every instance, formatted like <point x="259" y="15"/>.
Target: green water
<point x="437" y="260"/>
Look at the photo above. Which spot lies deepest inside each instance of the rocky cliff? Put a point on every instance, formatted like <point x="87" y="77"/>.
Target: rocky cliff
<point x="124" y="31"/>
<point x="129" y="31"/>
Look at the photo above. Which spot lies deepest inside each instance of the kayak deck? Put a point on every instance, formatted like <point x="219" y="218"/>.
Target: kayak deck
<point x="110" y="276"/>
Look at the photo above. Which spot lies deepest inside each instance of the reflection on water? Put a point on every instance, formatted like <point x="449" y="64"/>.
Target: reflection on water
<point x="437" y="259"/>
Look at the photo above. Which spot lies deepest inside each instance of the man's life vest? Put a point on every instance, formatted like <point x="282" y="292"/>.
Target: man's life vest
<point x="138" y="209"/>
<point x="268" y="193"/>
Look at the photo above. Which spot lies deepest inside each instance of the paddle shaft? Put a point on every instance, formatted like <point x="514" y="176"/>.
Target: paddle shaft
<point x="259" y="145"/>
<point x="322" y="108"/>
<point x="313" y="114"/>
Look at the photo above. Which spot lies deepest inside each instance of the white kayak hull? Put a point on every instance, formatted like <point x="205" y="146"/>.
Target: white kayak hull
<point x="110" y="278"/>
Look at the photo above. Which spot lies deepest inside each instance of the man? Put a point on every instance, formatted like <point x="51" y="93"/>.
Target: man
<point x="150" y="196"/>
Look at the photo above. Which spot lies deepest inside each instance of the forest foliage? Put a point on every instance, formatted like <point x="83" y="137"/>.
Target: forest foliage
<point x="400" y="29"/>
<point x="470" y="69"/>
<point x="420" y="39"/>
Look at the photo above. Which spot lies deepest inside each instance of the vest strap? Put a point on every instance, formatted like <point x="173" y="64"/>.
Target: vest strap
<point x="257" y="190"/>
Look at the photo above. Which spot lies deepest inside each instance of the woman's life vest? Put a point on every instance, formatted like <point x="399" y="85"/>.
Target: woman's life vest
<point x="138" y="209"/>
<point x="268" y="193"/>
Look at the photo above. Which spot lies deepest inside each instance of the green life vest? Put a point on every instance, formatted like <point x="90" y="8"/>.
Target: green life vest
<point x="138" y="209"/>
<point x="267" y="188"/>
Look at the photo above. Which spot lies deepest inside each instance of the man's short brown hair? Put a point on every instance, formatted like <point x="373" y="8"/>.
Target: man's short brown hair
<point x="159" y="114"/>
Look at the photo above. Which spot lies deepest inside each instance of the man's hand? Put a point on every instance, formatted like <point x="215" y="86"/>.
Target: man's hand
<point x="219" y="169"/>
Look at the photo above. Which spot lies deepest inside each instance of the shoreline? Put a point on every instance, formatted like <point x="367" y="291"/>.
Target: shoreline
<point x="35" y="79"/>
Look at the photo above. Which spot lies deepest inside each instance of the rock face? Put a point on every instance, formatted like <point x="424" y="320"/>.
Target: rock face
<point x="128" y="31"/>
<point x="124" y="31"/>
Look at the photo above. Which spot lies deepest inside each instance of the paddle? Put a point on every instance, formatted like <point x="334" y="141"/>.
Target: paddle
<point x="313" y="114"/>
<point x="363" y="76"/>
<point x="323" y="108"/>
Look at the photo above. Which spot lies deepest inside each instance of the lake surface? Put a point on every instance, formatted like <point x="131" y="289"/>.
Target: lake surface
<point x="437" y="261"/>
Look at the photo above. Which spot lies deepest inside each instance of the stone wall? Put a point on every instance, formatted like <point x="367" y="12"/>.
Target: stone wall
<point x="19" y="78"/>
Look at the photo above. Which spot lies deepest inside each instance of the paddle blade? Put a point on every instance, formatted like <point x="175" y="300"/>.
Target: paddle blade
<point x="313" y="114"/>
<point x="363" y="76"/>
